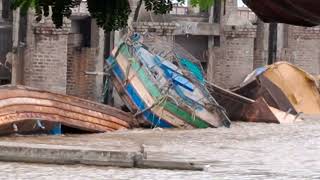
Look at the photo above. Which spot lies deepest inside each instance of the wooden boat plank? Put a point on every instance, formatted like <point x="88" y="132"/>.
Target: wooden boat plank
<point x="63" y="107"/>
<point x="32" y="108"/>
<point x="19" y="104"/>
<point x="144" y="94"/>
<point x="22" y="91"/>
<point x="27" y="116"/>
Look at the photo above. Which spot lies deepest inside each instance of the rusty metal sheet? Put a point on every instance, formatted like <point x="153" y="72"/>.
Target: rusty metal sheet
<point x="245" y="109"/>
<point x="263" y="87"/>
<point x="21" y="105"/>
<point x="259" y="111"/>
<point x="233" y="103"/>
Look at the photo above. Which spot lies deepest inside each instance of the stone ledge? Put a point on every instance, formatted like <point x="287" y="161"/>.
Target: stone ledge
<point x="63" y="154"/>
<point x="161" y="28"/>
<point x="240" y="31"/>
<point x="50" y="30"/>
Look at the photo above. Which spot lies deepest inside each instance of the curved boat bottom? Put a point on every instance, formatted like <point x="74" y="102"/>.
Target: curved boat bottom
<point x="26" y="110"/>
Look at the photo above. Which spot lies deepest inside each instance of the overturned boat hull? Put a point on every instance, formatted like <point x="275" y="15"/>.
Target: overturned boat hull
<point x="285" y="87"/>
<point x="28" y="110"/>
<point x="144" y="96"/>
<point x="240" y="108"/>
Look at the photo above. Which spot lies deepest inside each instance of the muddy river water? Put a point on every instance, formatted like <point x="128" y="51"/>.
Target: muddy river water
<point x="245" y="151"/>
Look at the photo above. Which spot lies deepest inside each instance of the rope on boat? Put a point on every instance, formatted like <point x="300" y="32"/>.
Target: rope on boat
<point x="160" y="101"/>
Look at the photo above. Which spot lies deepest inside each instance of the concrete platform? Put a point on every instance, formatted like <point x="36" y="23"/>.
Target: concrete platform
<point x="64" y="154"/>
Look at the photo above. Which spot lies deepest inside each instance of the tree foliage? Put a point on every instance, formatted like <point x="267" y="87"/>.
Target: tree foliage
<point x="110" y="14"/>
<point x="203" y="4"/>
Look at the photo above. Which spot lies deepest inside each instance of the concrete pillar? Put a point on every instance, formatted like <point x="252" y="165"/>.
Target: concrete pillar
<point x="261" y="45"/>
<point x="1" y="10"/>
<point x="97" y="41"/>
<point x="17" y="70"/>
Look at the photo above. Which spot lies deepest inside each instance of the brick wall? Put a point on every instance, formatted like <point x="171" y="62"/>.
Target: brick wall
<point x="85" y="59"/>
<point x="303" y="48"/>
<point x="55" y="60"/>
<point x="80" y="61"/>
<point x="156" y="28"/>
<point x="233" y="60"/>
<point x="45" y="63"/>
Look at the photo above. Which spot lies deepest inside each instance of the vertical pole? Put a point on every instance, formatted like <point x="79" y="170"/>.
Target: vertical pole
<point x="273" y="39"/>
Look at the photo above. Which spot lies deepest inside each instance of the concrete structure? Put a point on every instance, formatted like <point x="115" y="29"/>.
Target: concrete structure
<point x="133" y="157"/>
<point x="297" y="45"/>
<point x="229" y="41"/>
<point x="5" y="42"/>
<point x="220" y="38"/>
<point x="59" y="59"/>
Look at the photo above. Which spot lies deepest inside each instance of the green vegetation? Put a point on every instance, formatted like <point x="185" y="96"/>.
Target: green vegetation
<point x="110" y="14"/>
<point x="203" y="4"/>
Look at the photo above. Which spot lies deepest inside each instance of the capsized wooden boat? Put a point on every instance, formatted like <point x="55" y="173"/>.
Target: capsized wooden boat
<point x="240" y="108"/>
<point x="159" y="91"/>
<point x="283" y="86"/>
<point x="28" y="110"/>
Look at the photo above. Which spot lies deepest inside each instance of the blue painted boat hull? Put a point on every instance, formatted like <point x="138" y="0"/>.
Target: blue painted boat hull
<point x="136" y="99"/>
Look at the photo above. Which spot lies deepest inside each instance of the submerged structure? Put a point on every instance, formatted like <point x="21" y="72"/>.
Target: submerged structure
<point x="164" y="88"/>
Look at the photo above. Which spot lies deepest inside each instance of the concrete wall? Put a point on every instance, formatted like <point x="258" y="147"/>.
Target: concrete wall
<point x="261" y="45"/>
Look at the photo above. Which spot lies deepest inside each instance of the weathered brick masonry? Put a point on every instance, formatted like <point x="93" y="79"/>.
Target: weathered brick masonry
<point x="304" y="48"/>
<point x="163" y="30"/>
<point x="56" y="60"/>
<point x="233" y="60"/>
<point x="81" y="60"/>
<point x="45" y="64"/>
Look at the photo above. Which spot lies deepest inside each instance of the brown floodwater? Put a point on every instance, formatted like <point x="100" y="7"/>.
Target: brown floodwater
<point x="245" y="151"/>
